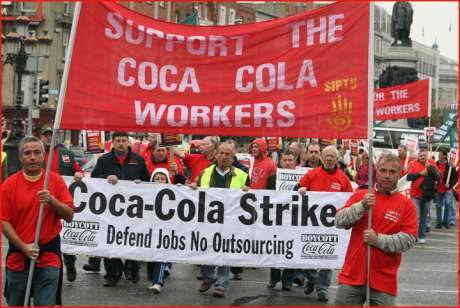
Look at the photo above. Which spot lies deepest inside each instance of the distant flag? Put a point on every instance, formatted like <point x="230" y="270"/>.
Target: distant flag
<point x="450" y="27"/>
<point x="423" y="31"/>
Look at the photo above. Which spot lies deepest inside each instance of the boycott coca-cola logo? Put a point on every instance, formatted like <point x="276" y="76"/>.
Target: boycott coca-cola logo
<point x="80" y="233"/>
<point x="319" y="246"/>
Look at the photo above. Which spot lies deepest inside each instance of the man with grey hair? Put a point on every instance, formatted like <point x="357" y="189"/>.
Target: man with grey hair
<point x="327" y="177"/>
<point x="393" y="231"/>
<point x="21" y="197"/>
<point x="198" y="162"/>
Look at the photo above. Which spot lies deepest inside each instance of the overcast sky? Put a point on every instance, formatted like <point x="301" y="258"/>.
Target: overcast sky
<point x="431" y="21"/>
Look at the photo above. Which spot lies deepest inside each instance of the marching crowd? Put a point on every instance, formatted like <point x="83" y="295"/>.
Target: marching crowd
<point x="399" y="221"/>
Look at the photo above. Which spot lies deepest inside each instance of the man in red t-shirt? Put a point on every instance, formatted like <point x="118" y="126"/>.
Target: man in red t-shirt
<point x="21" y="197"/>
<point x="393" y="231"/>
<point x="327" y="177"/>
<point x="196" y="163"/>
<point x="263" y="167"/>
<point x="424" y="176"/>
<point x="441" y="197"/>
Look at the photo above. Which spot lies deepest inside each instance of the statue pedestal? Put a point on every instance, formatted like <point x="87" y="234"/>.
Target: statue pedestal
<point x="401" y="57"/>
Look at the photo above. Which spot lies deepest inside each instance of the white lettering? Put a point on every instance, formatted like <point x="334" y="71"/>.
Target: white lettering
<point x="307" y="64"/>
<point x="121" y="72"/>
<point x="290" y="117"/>
<point x="114" y="20"/>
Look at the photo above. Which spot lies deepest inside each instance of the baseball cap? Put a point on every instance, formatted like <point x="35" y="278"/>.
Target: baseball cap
<point x="47" y="128"/>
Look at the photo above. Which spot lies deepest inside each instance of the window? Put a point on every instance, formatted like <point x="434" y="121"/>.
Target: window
<point x="66" y="8"/>
<point x="65" y="42"/>
<point x="222" y="15"/>
<point x="29" y="7"/>
<point x="231" y="16"/>
<point x="205" y="12"/>
<point x="177" y="16"/>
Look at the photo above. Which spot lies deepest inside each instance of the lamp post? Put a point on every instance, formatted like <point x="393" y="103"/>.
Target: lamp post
<point x="19" y="45"/>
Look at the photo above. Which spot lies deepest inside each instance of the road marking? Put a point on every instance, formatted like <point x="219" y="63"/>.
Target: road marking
<point x="428" y="270"/>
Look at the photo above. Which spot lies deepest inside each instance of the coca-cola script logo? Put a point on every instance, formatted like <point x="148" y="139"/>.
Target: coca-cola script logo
<point x="80" y="233"/>
<point x="320" y="246"/>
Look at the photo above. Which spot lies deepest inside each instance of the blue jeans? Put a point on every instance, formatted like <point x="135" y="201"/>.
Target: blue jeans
<point x="209" y="274"/>
<point x="451" y="204"/>
<point x="156" y="272"/>
<point x="321" y="278"/>
<point x="45" y="284"/>
<point x="442" y="209"/>
<point x="421" y="215"/>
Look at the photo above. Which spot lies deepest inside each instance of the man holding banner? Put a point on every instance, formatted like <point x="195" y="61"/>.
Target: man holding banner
<point x="22" y="194"/>
<point x="327" y="177"/>
<point x="221" y="175"/>
<point x="120" y="164"/>
<point x="394" y="230"/>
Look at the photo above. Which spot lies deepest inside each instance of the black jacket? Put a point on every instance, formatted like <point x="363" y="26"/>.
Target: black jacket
<point x="133" y="168"/>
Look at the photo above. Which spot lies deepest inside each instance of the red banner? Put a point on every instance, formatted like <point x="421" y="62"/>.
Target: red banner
<point x="405" y="101"/>
<point x="299" y="76"/>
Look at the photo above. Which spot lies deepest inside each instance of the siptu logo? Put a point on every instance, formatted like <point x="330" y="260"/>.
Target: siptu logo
<point x="341" y="114"/>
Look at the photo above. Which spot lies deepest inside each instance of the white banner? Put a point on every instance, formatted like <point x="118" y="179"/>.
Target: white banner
<point x="259" y="228"/>
<point x="286" y="179"/>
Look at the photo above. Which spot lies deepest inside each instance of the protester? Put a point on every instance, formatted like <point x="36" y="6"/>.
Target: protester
<point x="362" y="173"/>
<point x="64" y="163"/>
<point x="263" y="166"/>
<point x="22" y="194"/>
<point x="451" y="197"/>
<point x="286" y="276"/>
<point x="313" y="155"/>
<point x="424" y="176"/>
<point x="296" y="149"/>
<point x="393" y="231"/>
<point x="237" y="270"/>
<point x="196" y="163"/>
<point x="156" y="271"/>
<point x="327" y="177"/>
<point x="151" y="141"/>
<point x="222" y="175"/>
<point x="160" y="159"/>
<point x="120" y="164"/>
<point x="442" y="208"/>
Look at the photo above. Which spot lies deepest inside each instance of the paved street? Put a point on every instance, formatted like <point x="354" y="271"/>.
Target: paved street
<point x="427" y="277"/>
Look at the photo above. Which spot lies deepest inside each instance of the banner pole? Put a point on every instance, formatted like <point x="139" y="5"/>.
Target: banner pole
<point x="56" y="125"/>
<point x="370" y="132"/>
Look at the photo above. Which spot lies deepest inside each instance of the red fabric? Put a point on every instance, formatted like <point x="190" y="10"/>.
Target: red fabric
<point x="55" y="165"/>
<point x="320" y="180"/>
<point x="402" y="102"/>
<point x="152" y="166"/>
<point x="391" y="214"/>
<point x="417" y="167"/>
<point x="442" y="170"/>
<point x="403" y="161"/>
<point x="20" y="206"/>
<point x="263" y="167"/>
<point x="121" y="159"/>
<point x="147" y="152"/>
<point x="196" y="163"/>
<point x="227" y="79"/>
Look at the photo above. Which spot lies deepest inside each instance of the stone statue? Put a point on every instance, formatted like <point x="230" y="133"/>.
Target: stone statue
<point x="401" y="20"/>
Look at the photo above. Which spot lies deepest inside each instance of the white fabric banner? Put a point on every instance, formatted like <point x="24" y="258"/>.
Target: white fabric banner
<point x="286" y="179"/>
<point x="258" y="228"/>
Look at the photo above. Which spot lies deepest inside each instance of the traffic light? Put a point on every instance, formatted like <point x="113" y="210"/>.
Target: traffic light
<point x="43" y="92"/>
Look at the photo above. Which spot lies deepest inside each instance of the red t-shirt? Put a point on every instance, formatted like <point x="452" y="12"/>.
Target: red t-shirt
<point x="319" y="179"/>
<point x="392" y="214"/>
<point x="152" y="166"/>
<point x="196" y="163"/>
<point x="263" y="168"/>
<point x="415" y="190"/>
<point x="20" y="207"/>
<point x="55" y="165"/>
<point x="442" y="170"/>
<point x="403" y="161"/>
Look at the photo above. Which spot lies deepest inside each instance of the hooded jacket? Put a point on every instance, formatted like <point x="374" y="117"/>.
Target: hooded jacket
<point x="262" y="168"/>
<point x="162" y="171"/>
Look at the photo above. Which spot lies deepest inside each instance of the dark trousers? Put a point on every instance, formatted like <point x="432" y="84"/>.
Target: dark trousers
<point x="286" y="277"/>
<point x="69" y="260"/>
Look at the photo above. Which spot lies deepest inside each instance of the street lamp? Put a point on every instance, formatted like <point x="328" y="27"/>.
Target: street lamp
<point x="19" y="44"/>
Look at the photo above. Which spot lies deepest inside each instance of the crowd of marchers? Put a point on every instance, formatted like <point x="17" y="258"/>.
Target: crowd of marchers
<point x="398" y="221"/>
